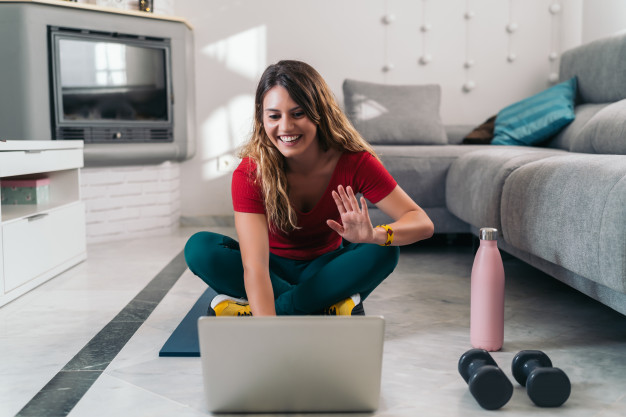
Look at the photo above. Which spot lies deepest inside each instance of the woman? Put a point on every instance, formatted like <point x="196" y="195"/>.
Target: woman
<point x="306" y="244"/>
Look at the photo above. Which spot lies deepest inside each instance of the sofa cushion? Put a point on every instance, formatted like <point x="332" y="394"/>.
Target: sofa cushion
<point x="566" y="137"/>
<point x="605" y="133"/>
<point x="536" y="118"/>
<point x="456" y="133"/>
<point x="475" y="180"/>
<point x="571" y="210"/>
<point x="599" y="67"/>
<point x="395" y="114"/>
<point x="421" y="170"/>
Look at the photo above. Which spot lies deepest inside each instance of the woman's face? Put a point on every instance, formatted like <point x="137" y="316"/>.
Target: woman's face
<point x="286" y="124"/>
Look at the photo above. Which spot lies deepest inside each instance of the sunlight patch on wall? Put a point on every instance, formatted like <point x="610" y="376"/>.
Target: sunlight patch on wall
<point x="227" y="128"/>
<point x="244" y="53"/>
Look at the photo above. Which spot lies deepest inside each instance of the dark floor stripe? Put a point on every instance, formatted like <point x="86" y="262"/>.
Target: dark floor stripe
<point x="66" y="388"/>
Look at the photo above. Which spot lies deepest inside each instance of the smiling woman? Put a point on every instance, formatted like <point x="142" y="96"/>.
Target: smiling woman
<point x="298" y="87"/>
<point x="306" y="244"/>
<point x="287" y="125"/>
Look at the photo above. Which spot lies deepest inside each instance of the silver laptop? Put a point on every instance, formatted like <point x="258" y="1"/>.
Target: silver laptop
<point x="291" y="364"/>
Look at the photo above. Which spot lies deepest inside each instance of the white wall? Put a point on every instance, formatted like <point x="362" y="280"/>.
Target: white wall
<point x="603" y="18"/>
<point x="236" y="39"/>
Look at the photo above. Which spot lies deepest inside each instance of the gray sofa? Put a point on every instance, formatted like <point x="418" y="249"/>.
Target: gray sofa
<point x="561" y="206"/>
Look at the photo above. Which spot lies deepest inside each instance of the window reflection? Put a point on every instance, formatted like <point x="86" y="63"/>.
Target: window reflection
<point x="110" y="64"/>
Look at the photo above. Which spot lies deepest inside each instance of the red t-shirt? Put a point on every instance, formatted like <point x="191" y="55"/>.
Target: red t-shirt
<point x="360" y="170"/>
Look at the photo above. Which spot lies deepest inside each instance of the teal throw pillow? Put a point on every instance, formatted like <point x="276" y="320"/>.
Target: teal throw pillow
<point x="538" y="117"/>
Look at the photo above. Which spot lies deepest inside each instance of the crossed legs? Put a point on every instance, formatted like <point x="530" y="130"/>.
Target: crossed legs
<point x="300" y="287"/>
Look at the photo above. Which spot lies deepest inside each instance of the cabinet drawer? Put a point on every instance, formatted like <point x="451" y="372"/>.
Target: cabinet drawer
<point x="33" y="161"/>
<point x="41" y="242"/>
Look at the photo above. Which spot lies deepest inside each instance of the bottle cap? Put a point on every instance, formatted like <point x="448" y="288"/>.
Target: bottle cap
<point x="488" y="233"/>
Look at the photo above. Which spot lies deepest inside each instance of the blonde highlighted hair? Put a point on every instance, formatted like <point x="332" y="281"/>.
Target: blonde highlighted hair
<point x="309" y="90"/>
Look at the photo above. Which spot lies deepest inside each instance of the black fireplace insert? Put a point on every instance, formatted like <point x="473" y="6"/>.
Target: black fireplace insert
<point x="110" y="87"/>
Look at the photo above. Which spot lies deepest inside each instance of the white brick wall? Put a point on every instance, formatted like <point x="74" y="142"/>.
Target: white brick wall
<point x="131" y="202"/>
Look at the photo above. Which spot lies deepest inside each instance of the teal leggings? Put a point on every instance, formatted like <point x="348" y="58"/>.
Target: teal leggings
<point x="300" y="287"/>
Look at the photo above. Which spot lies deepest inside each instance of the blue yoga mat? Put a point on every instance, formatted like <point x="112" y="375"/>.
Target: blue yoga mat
<point x="184" y="339"/>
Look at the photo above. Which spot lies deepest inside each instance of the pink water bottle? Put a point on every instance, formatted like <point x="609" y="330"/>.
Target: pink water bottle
<point x="487" y="298"/>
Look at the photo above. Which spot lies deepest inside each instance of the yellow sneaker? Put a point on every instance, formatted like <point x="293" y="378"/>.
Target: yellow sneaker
<point x="224" y="305"/>
<point x="351" y="306"/>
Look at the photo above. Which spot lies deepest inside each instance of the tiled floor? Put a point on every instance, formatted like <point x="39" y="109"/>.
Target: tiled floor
<point x="425" y="303"/>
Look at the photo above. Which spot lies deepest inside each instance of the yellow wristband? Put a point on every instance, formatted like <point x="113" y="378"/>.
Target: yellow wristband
<point x="389" y="234"/>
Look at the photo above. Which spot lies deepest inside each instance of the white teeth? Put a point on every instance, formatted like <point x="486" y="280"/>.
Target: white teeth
<point x="289" y="138"/>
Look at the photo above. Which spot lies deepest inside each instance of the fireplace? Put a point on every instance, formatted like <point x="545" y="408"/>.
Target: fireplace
<point x="109" y="87"/>
<point x="120" y="81"/>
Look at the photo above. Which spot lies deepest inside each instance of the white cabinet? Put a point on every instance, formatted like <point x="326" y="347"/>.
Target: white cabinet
<point x="39" y="241"/>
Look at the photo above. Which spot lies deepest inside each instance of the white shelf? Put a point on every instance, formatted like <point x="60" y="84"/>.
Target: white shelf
<point x="39" y="145"/>
<point x="39" y="241"/>
<point x="63" y="190"/>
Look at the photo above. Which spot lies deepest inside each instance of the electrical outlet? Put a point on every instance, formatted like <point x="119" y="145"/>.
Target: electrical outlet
<point x="227" y="163"/>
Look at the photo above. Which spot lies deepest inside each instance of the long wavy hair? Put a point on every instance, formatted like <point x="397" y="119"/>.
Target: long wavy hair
<point x="309" y="90"/>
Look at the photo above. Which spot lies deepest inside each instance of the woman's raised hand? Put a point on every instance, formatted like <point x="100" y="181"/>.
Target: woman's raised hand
<point x="356" y="225"/>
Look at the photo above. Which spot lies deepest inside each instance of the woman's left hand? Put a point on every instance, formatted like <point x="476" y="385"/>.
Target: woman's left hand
<point x="357" y="226"/>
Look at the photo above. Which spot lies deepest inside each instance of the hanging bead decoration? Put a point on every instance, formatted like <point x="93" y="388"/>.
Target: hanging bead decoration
<point x="388" y="67"/>
<point x="469" y="84"/>
<point x="553" y="56"/>
<point x="511" y="28"/>
<point x="425" y="28"/>
<point x="387" y="19"/>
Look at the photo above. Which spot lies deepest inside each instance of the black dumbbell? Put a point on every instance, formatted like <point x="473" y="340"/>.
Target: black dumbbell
<point x="487" y="383"/>
<point x="546" y="386"/>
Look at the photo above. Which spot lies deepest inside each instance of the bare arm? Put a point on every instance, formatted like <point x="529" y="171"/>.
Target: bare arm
<point x="254" y="244"/>
<point x="410" y="225"/>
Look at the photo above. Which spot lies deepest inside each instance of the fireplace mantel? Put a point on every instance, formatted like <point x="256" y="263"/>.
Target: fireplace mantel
<point x="101" y="9"/>
<point x="26" y="108"/>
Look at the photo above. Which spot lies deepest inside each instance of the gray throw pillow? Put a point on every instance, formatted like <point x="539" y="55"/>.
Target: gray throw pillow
<point x="395" y="114"/>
